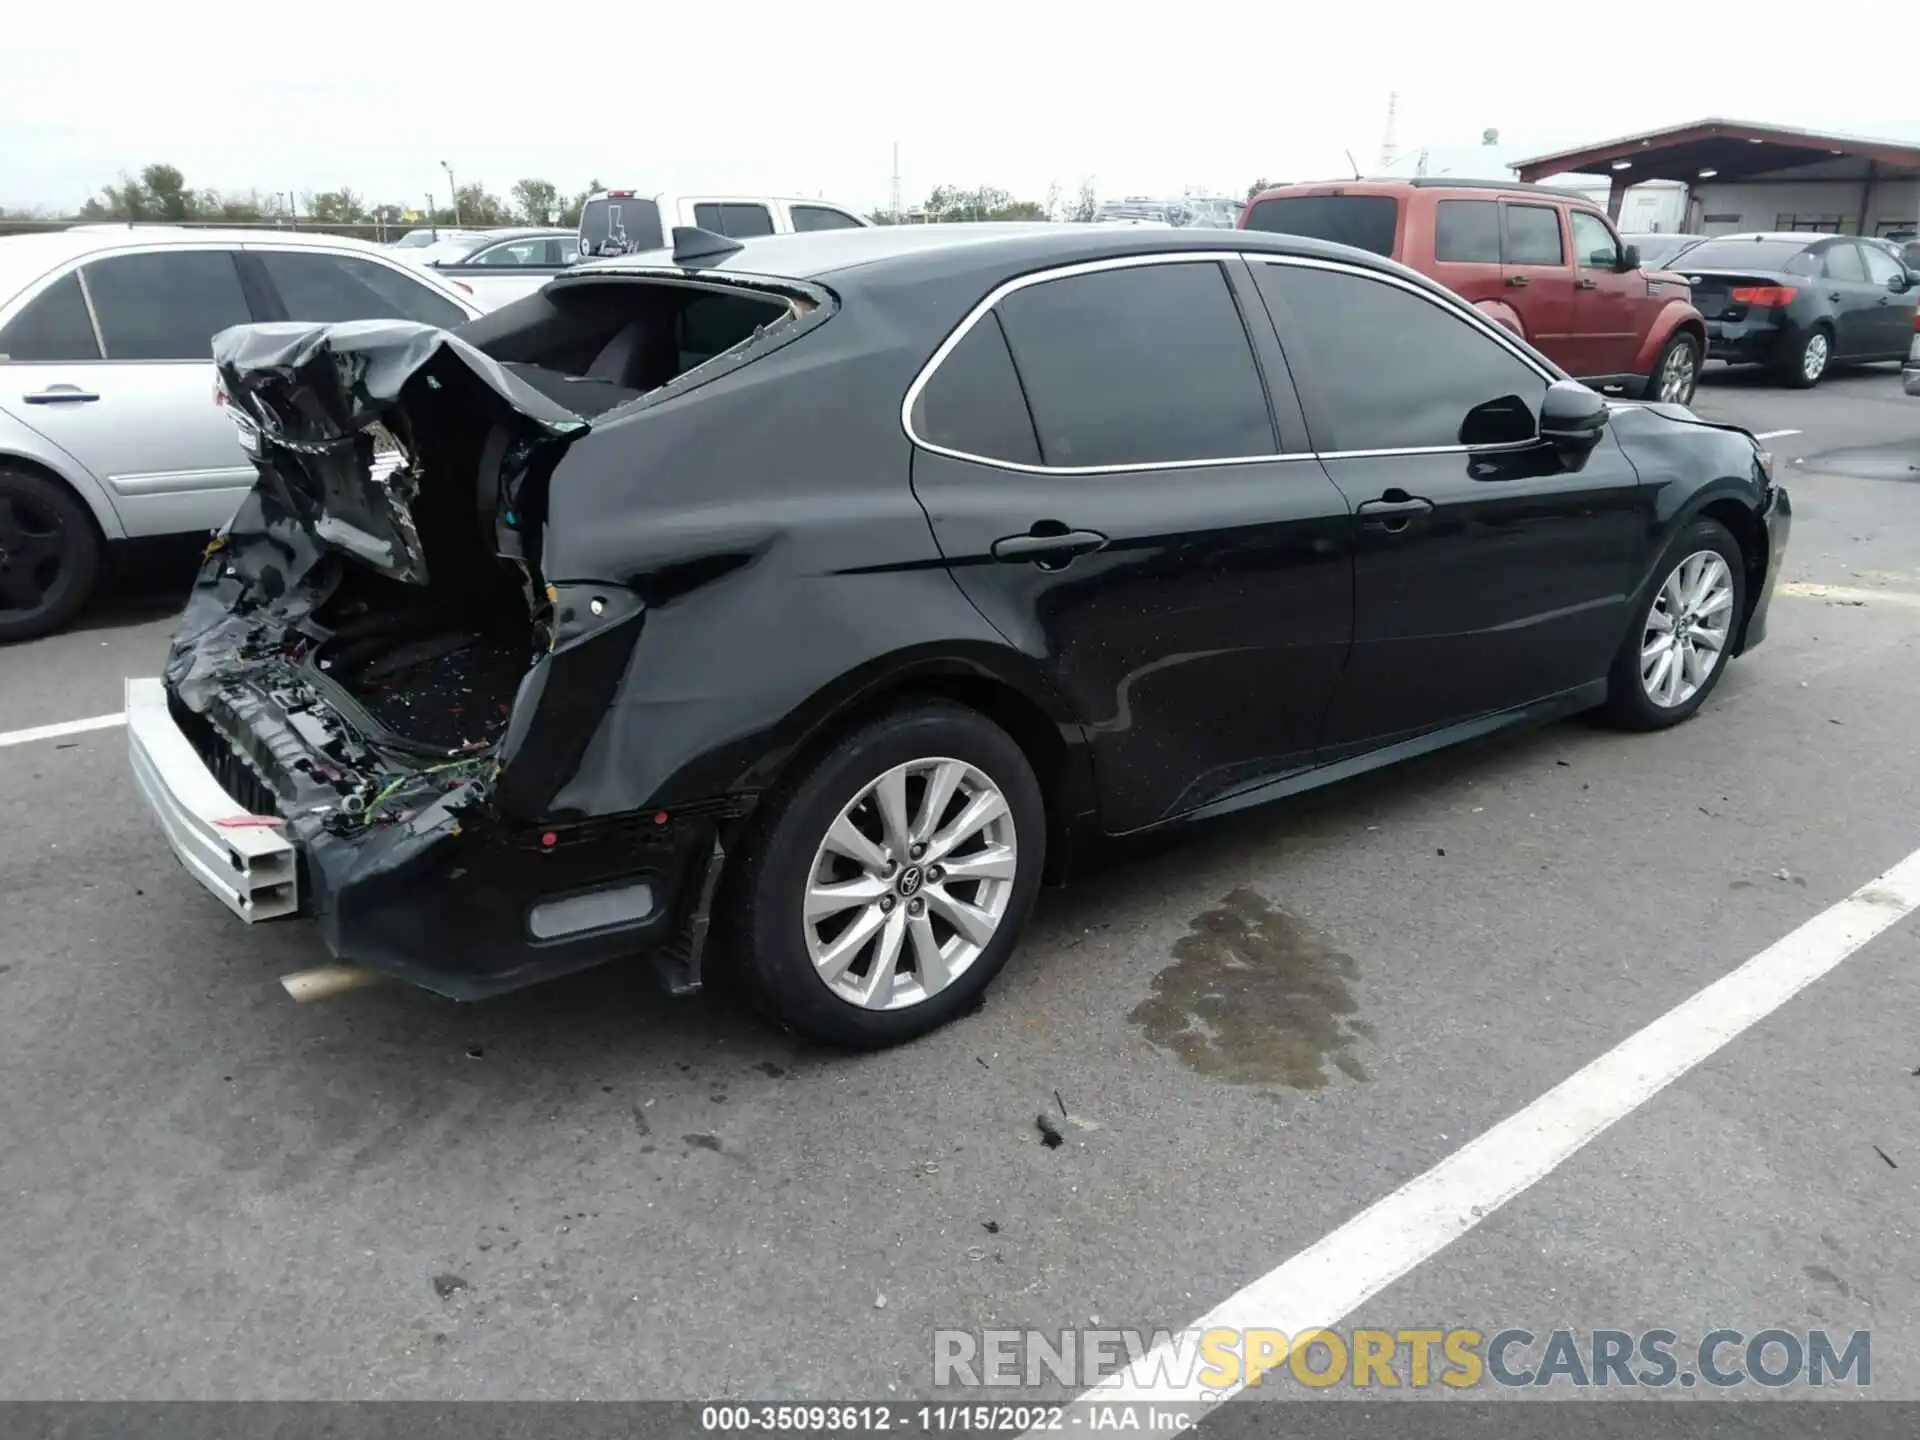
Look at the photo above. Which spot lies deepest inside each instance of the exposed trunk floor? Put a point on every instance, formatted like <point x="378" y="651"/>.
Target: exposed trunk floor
<point x="446" y="697"/>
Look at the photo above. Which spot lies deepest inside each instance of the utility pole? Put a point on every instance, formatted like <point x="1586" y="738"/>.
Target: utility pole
<point x="453" y="191"/>
<point x="432" y="224"/>
<point x="1389" y="149"/>
<point x="293" y="211"/>
<point x="894" y="193"/>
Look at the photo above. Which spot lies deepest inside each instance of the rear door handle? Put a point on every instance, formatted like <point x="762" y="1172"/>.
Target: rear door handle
<point x="1516" y="281"/>
<point x="1047" y="547"/>
<point x="1835" y="296"/>
<point x="1394" y="511"/>
<point x="1587" y="284"/>
<point x="60" y="395"/>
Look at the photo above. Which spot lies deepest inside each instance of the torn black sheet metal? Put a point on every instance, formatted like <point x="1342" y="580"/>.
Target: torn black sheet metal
<point x="346" y="411"/>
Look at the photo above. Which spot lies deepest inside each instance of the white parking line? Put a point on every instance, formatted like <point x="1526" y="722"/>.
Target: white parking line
<point x="1330" y="1278"/>
<point x="65" y="727"/>
<point x="1776" y="434"/>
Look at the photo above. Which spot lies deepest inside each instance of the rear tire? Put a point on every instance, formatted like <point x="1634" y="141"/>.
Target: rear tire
<point x="1810" y="361"/>
<point x="1683" y="631"/>
<point x="1676" y="373"/>
<point x="863" y="932"/>
<point x="49" y="555"/>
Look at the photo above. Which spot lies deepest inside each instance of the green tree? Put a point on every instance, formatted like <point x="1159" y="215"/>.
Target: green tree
<point x="336" y="207"/>
<point x="1257" y="186"/>
<point x="479" y="206"/>
<point x="570" y="215"/>
<point x="1086" y="204"/>
<point x="167" y="192"/>
<point x="538" y="201"/>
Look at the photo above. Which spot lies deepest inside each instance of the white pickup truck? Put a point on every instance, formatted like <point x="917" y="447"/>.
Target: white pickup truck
<point x="624" y="222"/>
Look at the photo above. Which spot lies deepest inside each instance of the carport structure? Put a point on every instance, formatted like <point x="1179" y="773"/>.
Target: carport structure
<point x="1743" y="176"/>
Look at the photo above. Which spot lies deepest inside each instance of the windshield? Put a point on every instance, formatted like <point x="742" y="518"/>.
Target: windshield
<point x="1366" y="222"/>
<point x="414" y="240"/>
<point x="1730" y="253"/>
<point x="619" y="225"/>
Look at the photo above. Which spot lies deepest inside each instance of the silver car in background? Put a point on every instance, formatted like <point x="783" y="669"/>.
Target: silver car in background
<point x="109" y="430"/>
<point x="496" y="266"/>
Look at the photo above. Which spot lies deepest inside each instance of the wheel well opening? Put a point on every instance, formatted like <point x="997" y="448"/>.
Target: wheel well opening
<point x="1037" y="736"/>
<point x="1751" y="536"/>
<point x="33" y="467"/>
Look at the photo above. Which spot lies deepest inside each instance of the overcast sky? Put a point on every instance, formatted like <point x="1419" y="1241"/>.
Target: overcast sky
<point x="809" y="99"/>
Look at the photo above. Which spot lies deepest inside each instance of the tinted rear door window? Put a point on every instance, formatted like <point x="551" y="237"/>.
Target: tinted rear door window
<point x="55" y="326"/>
<point x="1145" y="365"/>
<point x="1388" y="370"/>
<point x="1533" y="235"/>
<point x="168" y="305"/>
<point x="742" y="222"/>
<point x="325" y="288"/>
<point x="1367" y="222"/>
<point x="1467" y="230"/>
<point x="973" y="402"/>
<point x="1842" y="262"/>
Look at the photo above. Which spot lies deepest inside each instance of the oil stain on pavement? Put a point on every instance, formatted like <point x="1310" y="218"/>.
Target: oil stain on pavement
<point x="1256" y="997"/>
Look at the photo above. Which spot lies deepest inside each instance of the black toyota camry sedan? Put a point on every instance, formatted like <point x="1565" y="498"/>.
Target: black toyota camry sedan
<point x="1801" y="304"/>
<point x="795" y="607"/>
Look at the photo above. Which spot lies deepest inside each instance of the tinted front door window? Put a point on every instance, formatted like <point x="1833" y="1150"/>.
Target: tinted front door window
<point x="1145" y="365"/>
<point x="1511" y="583"/>
<point x="819" y="217"/>
<point x="167" y="305"/>
<point x="1391" y="371"/>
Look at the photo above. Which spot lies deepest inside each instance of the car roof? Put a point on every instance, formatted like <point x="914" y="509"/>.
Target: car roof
<point x="893" y="252"/>
<point x="25" y="258"/>
<point x="1795" y="237"/>
<point x="521" y="233"/>
<point x="1389" y="184"/>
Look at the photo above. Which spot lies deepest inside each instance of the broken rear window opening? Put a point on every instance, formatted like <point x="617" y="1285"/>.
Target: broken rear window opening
<point x="388" y="562"/>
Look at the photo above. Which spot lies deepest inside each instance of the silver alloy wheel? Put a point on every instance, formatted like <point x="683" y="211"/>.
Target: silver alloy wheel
<point x="1687" y="629"/>
<point x="1676" y="376"/>
<point x="1813" y="360"/>
<point x="911" y="883"/>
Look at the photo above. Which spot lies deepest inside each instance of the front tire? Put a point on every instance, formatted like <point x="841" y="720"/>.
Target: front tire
<point x="1810" y="361"/>
<point x="1683" y="632"/>
<point x="49" y="555"/>
<point x="1676" y="374"/>
<point x="888" y="884"/>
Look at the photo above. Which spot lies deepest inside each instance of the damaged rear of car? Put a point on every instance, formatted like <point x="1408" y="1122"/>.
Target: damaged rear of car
<point x="402" y="695"/>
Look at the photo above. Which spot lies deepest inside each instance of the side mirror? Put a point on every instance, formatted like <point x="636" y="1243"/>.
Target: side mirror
<point x="1572" y="420"/>
<point x="1900" y="284"/>
<point x="1629" y="258"/>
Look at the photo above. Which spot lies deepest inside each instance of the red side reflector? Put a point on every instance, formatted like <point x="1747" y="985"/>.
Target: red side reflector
<point x="549" y="840"/>
<point x="1765" y="295"/>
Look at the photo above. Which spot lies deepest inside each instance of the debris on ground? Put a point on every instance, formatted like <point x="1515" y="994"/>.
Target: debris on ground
<point x="445" y="1285"/>
<point x="1049" y="1136"/>
<point x="992" y="1227"/>
<point x="879" y="1302"/>
<point x="474" y="1052"/>
<point x="1058" y="1101"/>
<point x="1886" y="1157"/>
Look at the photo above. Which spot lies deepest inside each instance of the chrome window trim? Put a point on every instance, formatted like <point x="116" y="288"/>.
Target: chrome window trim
<point x="1066" y="272"/>
<point x="1462" y="312"/>
<point x="93" y="315"/>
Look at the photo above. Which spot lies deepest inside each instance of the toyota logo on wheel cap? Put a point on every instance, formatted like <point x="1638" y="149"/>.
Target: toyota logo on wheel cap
<point x="910" y="880"/>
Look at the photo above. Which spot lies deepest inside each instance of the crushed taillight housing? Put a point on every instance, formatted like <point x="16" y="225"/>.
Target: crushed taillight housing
<point x="1765" y="296"/>
<point x="219" y="397"/>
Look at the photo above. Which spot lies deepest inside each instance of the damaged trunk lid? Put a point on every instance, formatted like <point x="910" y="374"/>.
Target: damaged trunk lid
<point x="353" y="421"/>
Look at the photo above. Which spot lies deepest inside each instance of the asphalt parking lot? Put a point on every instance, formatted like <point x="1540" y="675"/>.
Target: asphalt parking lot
<point x="590" y="1191"/>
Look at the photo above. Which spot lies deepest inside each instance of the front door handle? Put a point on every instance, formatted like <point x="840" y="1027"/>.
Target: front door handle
<point x="1516" y="281"/>
<point x="1394" y="511"/>
<point x="1586" y="283"/>
<point x="1049" y="545"/>
<point x="1834" y="295"/>
<point x="60" y="395"/>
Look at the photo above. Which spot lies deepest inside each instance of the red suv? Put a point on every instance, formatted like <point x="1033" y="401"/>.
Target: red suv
<point x="1545" y="263"/>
